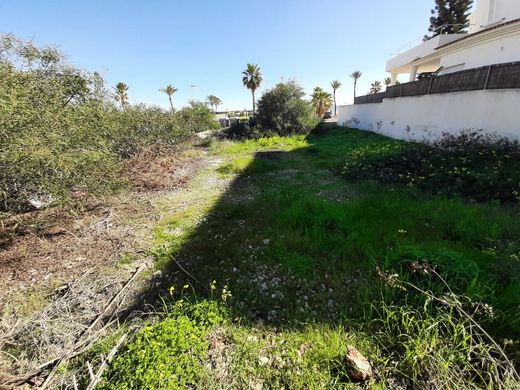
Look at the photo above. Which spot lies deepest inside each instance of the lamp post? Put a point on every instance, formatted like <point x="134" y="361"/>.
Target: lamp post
<point x="195" y="88"/>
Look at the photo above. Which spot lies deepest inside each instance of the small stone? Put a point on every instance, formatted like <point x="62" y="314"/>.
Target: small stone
<point x="263" y="360"/>
<point x="359" y="369"/>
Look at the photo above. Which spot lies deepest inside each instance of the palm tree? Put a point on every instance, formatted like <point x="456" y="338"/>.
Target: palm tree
<point x="321" y="100"/>
<point x="252" y="78"/>
<point x="335" y="85"/>
<point x="122" y="94"/>
<point x="376" y="87"/>
<point x="388" y="81"/>
<point x="214" y="101"/>
<point x="169" y="90"/>
<point x="356" y="76"/>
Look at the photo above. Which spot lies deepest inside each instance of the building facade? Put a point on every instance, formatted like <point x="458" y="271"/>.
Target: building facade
<point x="493" y="38"/>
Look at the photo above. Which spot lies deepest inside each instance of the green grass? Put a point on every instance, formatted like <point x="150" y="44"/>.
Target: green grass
<point x="303" y="252"/>
<point x="250" y="146"/>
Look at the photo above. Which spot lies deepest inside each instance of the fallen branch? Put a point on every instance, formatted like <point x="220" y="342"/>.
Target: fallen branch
<point x="95" y="380"/>
<point x="84" y="338"/>
<point x="66" y="356"/>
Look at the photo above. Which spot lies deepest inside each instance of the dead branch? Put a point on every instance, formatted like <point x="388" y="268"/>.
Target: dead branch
<point x="92" y="385"/>
<point x="66" y="356"/>
<point x="83" y="342"/>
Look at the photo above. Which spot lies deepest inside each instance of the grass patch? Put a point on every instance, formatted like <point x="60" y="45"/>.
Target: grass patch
<point x="250" y="146"/>
<point x="312" y="273"/>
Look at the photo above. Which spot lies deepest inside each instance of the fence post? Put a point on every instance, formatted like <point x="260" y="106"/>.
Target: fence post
<point x="430" y="86"/>
<point x="487" y="77"/>
<point x="400" y="90"/>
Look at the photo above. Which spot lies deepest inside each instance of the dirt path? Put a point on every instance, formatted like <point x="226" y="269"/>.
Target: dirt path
<point x="60" y="271"/>
<point x="52" y="248"/>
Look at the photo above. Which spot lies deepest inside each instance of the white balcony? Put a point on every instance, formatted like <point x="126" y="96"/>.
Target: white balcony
<point x="410" y="61"/>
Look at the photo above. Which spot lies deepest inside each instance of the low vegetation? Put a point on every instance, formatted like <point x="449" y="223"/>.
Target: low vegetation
<point x="423" y="284"/>
<point x="472" y="165"/>
<point x="292" y="244"/>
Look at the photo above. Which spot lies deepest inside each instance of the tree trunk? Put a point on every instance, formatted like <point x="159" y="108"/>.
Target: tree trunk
<point x="335" y="105"/>
<point x="254" y="104"/>
<point x="171" y="104"/>
<point x="355" y="82"/>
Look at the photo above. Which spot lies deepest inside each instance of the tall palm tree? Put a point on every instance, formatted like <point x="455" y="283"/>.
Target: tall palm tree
<point x="335" y="86"/>
<point x="321" y="100"/>
<point x="356" y="76"/>
<point x="376" y="87"/>
<point x="122" y="94"/>
<point x="169" y="90"/>
<point x="252" y="78"/>
<point x="213" y="101"/>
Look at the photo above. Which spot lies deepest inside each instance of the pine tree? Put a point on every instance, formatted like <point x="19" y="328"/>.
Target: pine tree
<point x="449" y="17"/>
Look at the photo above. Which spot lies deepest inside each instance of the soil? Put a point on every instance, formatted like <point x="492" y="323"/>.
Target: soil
<point x="42" y="250"/>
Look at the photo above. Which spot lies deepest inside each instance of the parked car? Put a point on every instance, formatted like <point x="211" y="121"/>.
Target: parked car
<point x="327" y="115"/>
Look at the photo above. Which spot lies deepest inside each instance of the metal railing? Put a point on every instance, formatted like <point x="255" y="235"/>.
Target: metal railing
<point x="499" y="76"/>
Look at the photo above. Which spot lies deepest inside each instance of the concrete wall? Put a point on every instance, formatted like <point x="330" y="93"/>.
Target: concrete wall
<point x="504" y="49"/>
<point x="425" y="118"/>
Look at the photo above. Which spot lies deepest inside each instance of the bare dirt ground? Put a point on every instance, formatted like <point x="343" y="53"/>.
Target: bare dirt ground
<point x="45" y="249"/>
<point x="64" y="276"/>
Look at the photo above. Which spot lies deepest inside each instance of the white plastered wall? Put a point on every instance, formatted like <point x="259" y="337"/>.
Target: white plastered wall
<point x="506" y="49"/>
<point x="425" y="118"/>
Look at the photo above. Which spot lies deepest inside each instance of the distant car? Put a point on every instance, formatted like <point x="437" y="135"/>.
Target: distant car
<point x="327" y="115"/>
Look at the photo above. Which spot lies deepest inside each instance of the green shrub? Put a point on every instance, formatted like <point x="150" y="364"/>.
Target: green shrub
<point x="196" y="117"/>
<point x="473" y="165"/>
<point x="242" y="130"/>
<point x="60" y="129"/>
<point x="283" y="111"/>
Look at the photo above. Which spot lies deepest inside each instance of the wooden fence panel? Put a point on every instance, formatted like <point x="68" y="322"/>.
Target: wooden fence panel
<point x="500" y="76"/>
<point x="393" y="91"/>
<point x="504" y="76"/>
<point x="466" y="80"/>
<point x="415" y="88"/>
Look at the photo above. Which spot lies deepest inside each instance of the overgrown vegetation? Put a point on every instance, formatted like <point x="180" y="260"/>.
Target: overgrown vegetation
<point x="424" y="285"/>
<point x="281" y="111"/>
<point x="473" y="165"/>
<point x="61" y="131"/>
<point x="395" y="261"/>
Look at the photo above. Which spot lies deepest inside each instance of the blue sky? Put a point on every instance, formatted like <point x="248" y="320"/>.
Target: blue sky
<point x="149" y="44"/>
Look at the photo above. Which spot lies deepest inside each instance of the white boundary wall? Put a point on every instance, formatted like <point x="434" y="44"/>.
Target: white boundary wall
<point x="425" y="118"/>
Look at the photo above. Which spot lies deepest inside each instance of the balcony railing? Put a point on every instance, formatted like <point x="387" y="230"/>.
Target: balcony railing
<point x="499" y="76"/>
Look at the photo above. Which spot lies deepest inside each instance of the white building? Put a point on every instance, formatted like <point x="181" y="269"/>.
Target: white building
<point x="493" y="38"/>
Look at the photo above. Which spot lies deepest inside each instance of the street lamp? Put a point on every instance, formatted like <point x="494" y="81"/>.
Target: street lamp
<point x="195" y="91"/>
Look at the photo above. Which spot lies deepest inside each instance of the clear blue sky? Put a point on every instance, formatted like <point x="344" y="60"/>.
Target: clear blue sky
<point x="151" y="43"/>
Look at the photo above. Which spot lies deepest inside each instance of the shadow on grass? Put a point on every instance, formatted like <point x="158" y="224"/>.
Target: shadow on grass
<point x="298" y="248"/>
<point x="295" y="243"/>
